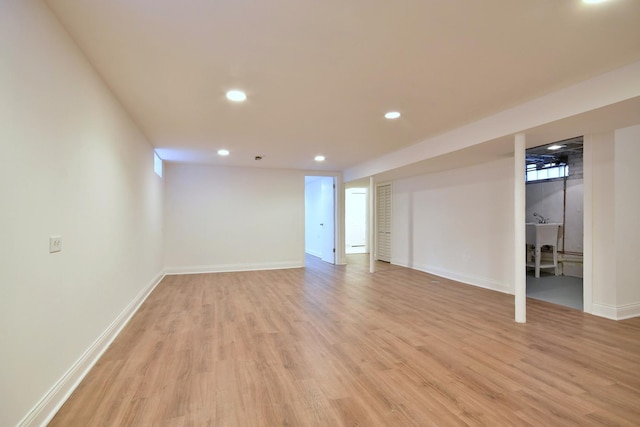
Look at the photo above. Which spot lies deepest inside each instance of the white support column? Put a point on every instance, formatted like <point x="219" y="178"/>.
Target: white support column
<point x="519" y="205"/>
<point x="587" y="258"/>
<point x="372" y="224"/>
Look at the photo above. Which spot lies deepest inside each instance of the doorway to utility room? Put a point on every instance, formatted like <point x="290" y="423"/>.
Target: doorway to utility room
<point x="320" y="217"/>
<point x="555" y="224"/>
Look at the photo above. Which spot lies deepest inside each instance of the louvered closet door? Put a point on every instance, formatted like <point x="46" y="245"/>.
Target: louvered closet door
<point x="383" y="222"/>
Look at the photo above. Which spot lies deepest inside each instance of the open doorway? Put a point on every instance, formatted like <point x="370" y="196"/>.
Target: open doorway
<point x="355" y="219"/>
<point x="320" y="217"/>
<point x="555" y="218"/>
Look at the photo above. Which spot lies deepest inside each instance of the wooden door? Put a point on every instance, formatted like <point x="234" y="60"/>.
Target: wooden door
<point x="383" y="222"/>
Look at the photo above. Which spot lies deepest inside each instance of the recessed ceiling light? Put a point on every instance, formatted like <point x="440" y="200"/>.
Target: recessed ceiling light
<point x="223" y="152"/>
<point x="593" y="1"/>
<point x="236" y="95"/>
<point x="392" y="115"/>
<point x="319" y="158"/>
<point x="556" y="147"/>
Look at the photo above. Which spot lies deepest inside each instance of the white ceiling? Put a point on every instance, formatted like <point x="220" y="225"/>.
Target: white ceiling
<point x="614" y="116"/>
<point x="320" y="74"/>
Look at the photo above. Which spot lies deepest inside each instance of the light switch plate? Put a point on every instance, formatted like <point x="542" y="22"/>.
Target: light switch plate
<point x="55" y="244"/>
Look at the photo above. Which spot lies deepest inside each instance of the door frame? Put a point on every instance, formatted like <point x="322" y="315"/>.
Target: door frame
<point x="338" y="216"/>
<point x="365" y="219"/>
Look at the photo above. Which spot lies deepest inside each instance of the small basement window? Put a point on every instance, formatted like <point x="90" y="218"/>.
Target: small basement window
<point x="537" y="172"/>
<point x="157" y="164"/>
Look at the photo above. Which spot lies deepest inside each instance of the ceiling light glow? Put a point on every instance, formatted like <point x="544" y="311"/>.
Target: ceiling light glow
<point x="236" y="95"/>
<point x="223" y="152"/>
<point x="319" y="158"/>
<point x="556" y="147"/>
<point x="392" y="115"/>
<point x="593" y="1"/>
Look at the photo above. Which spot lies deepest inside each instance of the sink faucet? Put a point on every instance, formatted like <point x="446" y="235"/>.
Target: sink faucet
<point x="540" y="218"/>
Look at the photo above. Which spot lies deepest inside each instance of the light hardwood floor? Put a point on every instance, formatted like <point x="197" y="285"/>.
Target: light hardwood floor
<point x="337" y="346"/>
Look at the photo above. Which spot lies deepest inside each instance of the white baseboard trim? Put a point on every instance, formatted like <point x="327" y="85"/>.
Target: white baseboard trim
<point x="620" y="312"/>
<point x="603" y="310"/>
<point x="628" y="311"/>
<point x="467" y="279"/>
<point x="227" y="268"/>
<point x="44" y="411"/>
<point x="314" y="253"/>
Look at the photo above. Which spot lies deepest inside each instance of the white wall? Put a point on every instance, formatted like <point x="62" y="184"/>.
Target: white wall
<point x="227" y="219"/>
<point x="603" y="213"/>
<point x="574" y="221"/>
<point x="544" y="198"/>
<point x="73" y="164"/>
<point x="627" y="214"/>
<point x="615" y="231"/>
<point x="457" y="224"/>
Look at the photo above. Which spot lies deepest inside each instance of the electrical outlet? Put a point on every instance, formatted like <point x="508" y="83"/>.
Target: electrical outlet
<point x="55" y="244"/>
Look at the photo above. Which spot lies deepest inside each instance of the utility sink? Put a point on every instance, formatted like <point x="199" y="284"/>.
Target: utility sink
<point x="539" y="235"/>
<point x="544" y="232"/>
